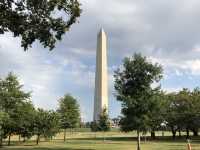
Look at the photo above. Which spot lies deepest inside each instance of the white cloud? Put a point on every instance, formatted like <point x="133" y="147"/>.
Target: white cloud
<point x="196" y="48"/>
<point x="180" y="67"/>
<point x="193" y="66"/>
<point x="169" y="90"/>
<point x="41" y="72"/>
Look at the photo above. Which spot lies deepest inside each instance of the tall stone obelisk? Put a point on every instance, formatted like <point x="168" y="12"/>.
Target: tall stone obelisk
<point x="101" y="76"/>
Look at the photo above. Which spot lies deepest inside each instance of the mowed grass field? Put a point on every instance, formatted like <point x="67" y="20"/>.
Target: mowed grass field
<point x="103" y="141"/>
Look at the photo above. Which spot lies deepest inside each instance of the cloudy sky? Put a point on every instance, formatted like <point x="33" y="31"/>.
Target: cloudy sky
<point x="166" y="31"/>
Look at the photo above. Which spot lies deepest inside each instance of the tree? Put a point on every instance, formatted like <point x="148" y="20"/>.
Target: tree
<point x="182" y="112"/>
<point x="25" y="120"/>
<point x="69" y="113"/>
<point x="171" y="113"/>
<point x="4" y="118"/>
<point x="94" y="126"/>
<point x="11" y="93"/>
<point x="195" y="124"/>
<point x="11" y="98"/>
<point x="53" y="124"/>
<point x="38" y="20"/>
<point x="103" y="124"/>
<point x="156" y="112"/>
<point x="45" y="124"/>
<point x="133" y="83"/>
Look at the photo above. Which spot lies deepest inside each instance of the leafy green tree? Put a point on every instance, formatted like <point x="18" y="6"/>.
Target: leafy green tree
<point x="184" y="110"/>
<point x="171" y="113"/>
<point x="4" y="118"/>
<point x="195" y="124"/>
<point x="133" y="83"/>
<point x="38" y="19"/>
<point x="69" y="113"/>
<point x="94" y="126"/>
<point x="53" y="124"/>
<point x="11" y="93"/>
<point x="46" y="124"/>
<point x="181" y="113"/>
<point x="156" y="112"/>
<point x="25" y="120"/>
<point x="103" y="124"/>
<point x="12" y="97"/>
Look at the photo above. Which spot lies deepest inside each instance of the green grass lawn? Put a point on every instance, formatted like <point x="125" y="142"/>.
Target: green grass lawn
<point x="94" y="141"/>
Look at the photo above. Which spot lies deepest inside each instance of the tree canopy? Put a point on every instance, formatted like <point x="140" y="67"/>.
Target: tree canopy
<point x="133" y="83"/>
<point x="145" y="107"/>
<point x="38" y="20"/>
<point x="103" y="124"/>
<point x="69" y="113"/>
<point x="19" y="116"/>
<point x="46" y="123"/>
<point x="12" y="102"/>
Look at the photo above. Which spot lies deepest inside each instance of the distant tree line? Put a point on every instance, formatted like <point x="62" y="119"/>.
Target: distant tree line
<point x="18" y="116"/>
<point x="146" y="108"/>
<point x="182" y="111"/>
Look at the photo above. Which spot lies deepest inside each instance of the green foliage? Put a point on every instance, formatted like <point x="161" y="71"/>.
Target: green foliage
<point x="12" y="100"/>
<point x="11" y="93"/>
<point x="25" y="120"/>
<point x="18" y="115"/>
<point x="182" y="111"/>
<point x="46" y="123"/>
<point x="156" y="112"/>
<point x="94" y="126"/>
<point x="69" y="112"/>
<point x="133" y="84"/>
<point x="38" y="19"/>
<point x="103" y="124"/>
<point x="4" y="118"/>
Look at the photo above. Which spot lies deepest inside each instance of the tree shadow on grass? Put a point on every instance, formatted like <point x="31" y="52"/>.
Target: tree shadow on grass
<point x="158" y="139"/>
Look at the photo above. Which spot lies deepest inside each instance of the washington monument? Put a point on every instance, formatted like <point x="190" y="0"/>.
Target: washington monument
<point x="101" y="76"/>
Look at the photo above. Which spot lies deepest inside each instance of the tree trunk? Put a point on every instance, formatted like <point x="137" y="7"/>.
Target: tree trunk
<point x="64" y="135"/>
<point x="138" y="140"/>
<point x="19" y="138"/>
<point x="38" y="139"/>
<point x="9" y="140"/>
<point x="173" y="133"/>
<point x="179" y="131"/>
<point x="145" y="137"/>
<point x="153" y="135"/>
<point x="195" y="132"/>
<point x="104" y="139"/>
<point x="1" y="141"/>
<point x="188" y="133"/>
<point x="163" y="133"/>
